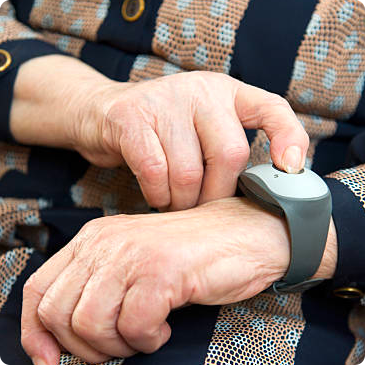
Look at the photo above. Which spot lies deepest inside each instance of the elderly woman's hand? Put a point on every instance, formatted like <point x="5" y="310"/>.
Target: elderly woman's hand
<point x="109" y="291"/>
<point x="181" y="135"/>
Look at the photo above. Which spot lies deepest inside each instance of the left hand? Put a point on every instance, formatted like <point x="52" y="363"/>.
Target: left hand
<point x="109" y="291"/>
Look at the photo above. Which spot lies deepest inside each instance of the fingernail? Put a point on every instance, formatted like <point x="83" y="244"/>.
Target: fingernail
<point x="292" y="159"/>
<point x="38" y="361"/>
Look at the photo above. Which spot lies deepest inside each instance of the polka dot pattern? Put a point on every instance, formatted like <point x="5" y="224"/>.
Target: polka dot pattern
<point x="103" y="8"/>
<point x="359" y="84"/>
<point x="163" y="33"/>
<point x="201" y="55"/>
<point x="47" y="21"/>
<point x="329" y="78"/>
<point x="345" y="12"/>
<point x="337" y="103"/>
<point x="201" y="35"/>
<point x="314" y="25"/>
<point x="354" y="62"/>
<point x="306" y="96"/>
<point x="141" y="62"/>
<point x="66" y="6"/>
<point x="334" y="57"/>
<point x="351" y="40"/>
<point x="170" y="69"/>
<point x="226" y="34"/>
<point x="299" y="70"/>
<point x="245" y="334"/>
<point x="183" y="4"/>
<point x="76" y="27"/>
<point x="81" y="19"/>
<point x="218" y="7"/>
<point x="321" y="51"/>
<point x="63" y="43"/>
<point x="188" y="28"/>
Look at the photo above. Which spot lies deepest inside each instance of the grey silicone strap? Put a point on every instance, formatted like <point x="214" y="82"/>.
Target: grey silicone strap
<point x="308" y="222"/>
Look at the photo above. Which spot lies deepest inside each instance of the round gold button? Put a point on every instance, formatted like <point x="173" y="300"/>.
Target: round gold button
<point x="132" y="9"/>
<point x="348" y="292"/>
<point x="5" y="59"/>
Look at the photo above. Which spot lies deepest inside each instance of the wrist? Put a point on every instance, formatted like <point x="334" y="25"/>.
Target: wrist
<point x="328" y="264"/>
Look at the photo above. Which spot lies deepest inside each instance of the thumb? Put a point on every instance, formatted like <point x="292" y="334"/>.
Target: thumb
<point x="260" y="109"/>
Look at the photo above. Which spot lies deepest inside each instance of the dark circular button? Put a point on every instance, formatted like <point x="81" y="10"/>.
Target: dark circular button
<point x="132" y="9"/>
<point x="5" y="59"/>
<point x="348" y="292"/>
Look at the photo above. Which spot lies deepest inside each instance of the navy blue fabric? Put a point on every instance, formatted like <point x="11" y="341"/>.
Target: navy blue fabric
<point x="134" y="37"/>
<point x="108" y="60"/>
<point x="20" y="51"/>
<point x="62" y="167"/>
<point x="349" y="218"/>
<point x="267" y="42"/>
<point x="326" y="338"/>
<point x="192" y="329"/>
<point x="11" y="351"/>
<point x="64" y="223"/>
<point x="23" y="9"/>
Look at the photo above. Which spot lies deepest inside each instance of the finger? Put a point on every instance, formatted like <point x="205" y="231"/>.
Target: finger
<point x="148" y="162"/>
<point x="185" y="162"/>
<point x="226" y="152"/>
<point x="56" y="308"/>
<point x="37" y="341"/>
<point x="142" y="321"/>
<point x="259" y="109"/>
<point x="95" y="316"/>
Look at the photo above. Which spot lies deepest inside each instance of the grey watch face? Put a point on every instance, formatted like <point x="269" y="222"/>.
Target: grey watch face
<point x="304" y="185"/>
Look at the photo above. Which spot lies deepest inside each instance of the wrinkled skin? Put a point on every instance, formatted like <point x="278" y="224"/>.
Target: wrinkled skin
<point x="182" y="134"/>
<point x="109" y="291"/>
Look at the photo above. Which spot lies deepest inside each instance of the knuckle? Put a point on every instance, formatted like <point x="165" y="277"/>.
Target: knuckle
<point x="153" y="172"/>
<point x="49" y="315"/>
<point x="187" y="177"/>
<point x="86" y="328"/>
<point x="235" y="158"/>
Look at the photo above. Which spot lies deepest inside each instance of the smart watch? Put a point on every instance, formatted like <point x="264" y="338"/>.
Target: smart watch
<point x="305" y="201"/>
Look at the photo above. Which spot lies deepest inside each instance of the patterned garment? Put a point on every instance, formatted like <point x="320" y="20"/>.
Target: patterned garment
<point x="310" y="51"/>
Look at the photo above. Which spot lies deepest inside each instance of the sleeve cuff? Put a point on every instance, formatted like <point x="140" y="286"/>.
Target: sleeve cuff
<point x="20" y="51"/>
<point x="349" y="218"/>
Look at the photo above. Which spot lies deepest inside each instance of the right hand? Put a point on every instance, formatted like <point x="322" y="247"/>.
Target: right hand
<point x="182" y="135"/>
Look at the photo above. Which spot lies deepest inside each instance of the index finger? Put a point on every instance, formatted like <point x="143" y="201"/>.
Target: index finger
<point x="260" y="109"/>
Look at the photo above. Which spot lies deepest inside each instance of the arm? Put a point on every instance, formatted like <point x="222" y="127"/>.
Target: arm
<point x="20" y="44"/>
<point x="191" y="154"/>
<point x="221" y="257"/>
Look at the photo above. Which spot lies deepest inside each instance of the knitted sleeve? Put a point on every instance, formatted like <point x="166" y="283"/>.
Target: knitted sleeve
<point x="348" y="193"/>
<point x="18" y="44"/>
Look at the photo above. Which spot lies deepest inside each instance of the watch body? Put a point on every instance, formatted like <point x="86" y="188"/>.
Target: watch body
<point x="305" y="201"/>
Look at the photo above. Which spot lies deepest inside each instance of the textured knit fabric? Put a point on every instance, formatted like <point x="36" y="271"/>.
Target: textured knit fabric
<point x="310" y="51"/>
